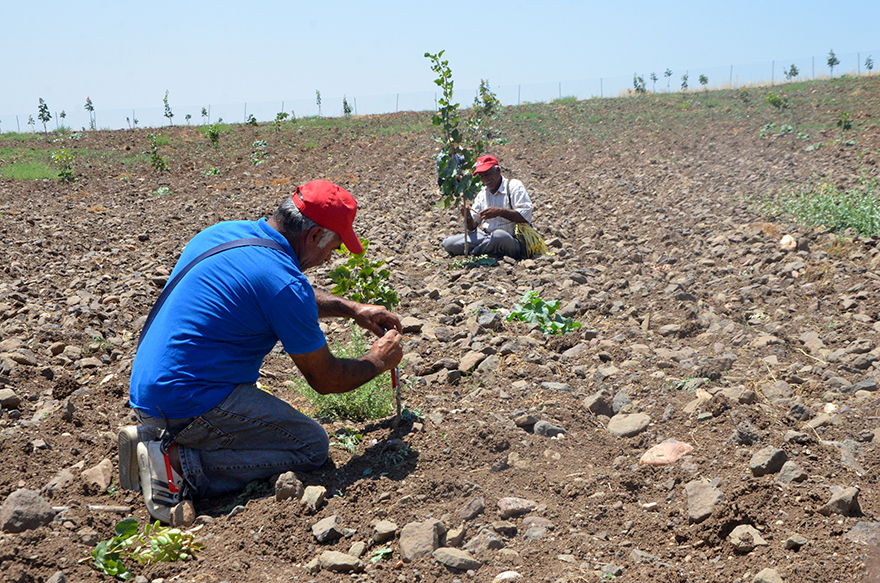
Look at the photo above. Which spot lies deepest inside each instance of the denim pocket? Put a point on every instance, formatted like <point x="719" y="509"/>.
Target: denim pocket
<point x="200" y="434"/>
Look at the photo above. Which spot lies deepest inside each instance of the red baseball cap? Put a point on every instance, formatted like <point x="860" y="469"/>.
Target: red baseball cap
<point x="485" y="163"/>
<point x="332" y="207"/>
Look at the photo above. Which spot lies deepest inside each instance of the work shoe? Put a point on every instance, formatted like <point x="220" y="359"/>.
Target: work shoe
<point x="160" y="484"/>
<point x="129" y="437"/>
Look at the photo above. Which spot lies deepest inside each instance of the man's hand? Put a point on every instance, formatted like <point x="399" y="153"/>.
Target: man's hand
<point x="376" y="319"/>
<point x="495" y="211"/>
<point x="388" y="350"/>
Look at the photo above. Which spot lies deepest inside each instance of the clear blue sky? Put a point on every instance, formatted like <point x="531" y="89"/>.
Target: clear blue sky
<point x="125" y="55"/>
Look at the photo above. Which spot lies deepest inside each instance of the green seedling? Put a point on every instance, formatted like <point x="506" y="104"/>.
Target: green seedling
<point x="346" y="108"/>
<point x="279" y="117"/>
<point x="91" y="109"/>
<point x="348" y="439"/>
<point x="382" y="554"/>
<point x="362" y="280"/>
<point x="251" y="120"/>
<point x="64" y="160"/>
<point x="534" y="310"/>
<point x="157" y="162"/>
<point x="157" y="544"/>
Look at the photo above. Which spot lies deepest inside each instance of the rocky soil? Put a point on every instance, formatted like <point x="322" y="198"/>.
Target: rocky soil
<point x="524" y="464"/>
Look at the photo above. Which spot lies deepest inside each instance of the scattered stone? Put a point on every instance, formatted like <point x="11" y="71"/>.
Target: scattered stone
<point x="470" y="361"/>
<point x="456" y="559"/>
<point x="455" y="536"/>
<point x="99" y="476"/>
<point x="745" y="538"/>
<point x="288" y="487"/>
<point x="486" y="540"/>
<point x="551" y="386"/>
<point x="313" y="498"/>
<point x="8" y="399"/>
<point x="327" y="530"/>
<point x="411" y="325"/>
<point x="791" y="472"/>
<point x="844" y="501"/>
<point x="339" y="562"/>
<point x="535" y="533"/>
<point x="419" y="540"/>
<point x="472" y="509"/>
<point x="767" y="576"/>
<point x="865" y="533"/>
<point x="512" y="506"/>
<point x="702" y="497"/>
<point x="794" y="542"/>
<point x="357" y="549"/>
<point x="546" y="429"/>
<point x="507" y="576"/>
<point x="599" y="404"/>
<point x="628" y="424"/>
<point x="25" y="510"/>
<point x="767" y="461"/>
<point x="383" y="531"/>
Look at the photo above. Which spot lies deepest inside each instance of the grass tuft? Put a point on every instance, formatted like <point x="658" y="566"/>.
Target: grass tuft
<point x="828" y="206"/>
<point x="32" y="170"/>
<point x="373" y="400"/>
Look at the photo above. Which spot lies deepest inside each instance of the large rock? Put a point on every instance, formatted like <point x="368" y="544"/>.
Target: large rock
<point x="456" y="559"/>
<point x="99" y="476"/>
<point x="702" y="497"/>
<point x="512" y="506"/>
<point x="339" y="562"/>
<point x="25" y="510"/>
<point x="844" y="501"/>
<point x="418" y="540"/>
<point x="767" y="461"/>
<point x="628" y="424"/>
<point x="327" y="530"/>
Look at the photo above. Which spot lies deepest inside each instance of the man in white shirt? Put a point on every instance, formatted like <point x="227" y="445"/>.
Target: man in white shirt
<point x="491" y="219"/>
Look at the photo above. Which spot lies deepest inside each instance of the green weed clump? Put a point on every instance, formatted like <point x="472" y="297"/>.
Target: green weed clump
<point x="30" y="170"/>
<point x="534" y="310"/>
<point x="372" y="400"/>
<point x="827" y="206"/>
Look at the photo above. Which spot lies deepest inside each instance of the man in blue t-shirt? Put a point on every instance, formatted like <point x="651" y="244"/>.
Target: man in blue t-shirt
<point x="206" y="428"/>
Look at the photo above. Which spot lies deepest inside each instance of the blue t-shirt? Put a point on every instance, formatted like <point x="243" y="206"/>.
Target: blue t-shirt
<point x="221" y="320"/>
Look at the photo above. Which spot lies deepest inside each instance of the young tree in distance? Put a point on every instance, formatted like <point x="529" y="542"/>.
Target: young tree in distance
<point x="346" y="108"/>
<point x="31" y="123"/>
<point x="667" y="74"/>
<point x="638" y="84"/>
<point x="704" y="81"/>
<point x="91" y="109"/>
<point x="833" y="61"/>
<point x="869" y="63"/>
<point x="684" y="82"/>
<point x="792" y="73"/>
<point x="204" y="115"/>
<point x="653" y="82"/>
<point x="168" y="113"/>
<point x="44" y="115"/>
<point x="318" y="101"/>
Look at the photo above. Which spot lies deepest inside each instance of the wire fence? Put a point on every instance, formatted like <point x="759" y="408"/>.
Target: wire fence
<point x="771" y="72"/>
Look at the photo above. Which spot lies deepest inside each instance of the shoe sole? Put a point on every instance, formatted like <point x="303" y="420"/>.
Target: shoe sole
<point x="158" y="512"/>
<point x="129" y="475"/>
<point x="129" y="437"/>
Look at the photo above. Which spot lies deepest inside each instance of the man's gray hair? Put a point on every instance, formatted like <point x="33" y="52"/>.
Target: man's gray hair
<point x="292" y="222"/>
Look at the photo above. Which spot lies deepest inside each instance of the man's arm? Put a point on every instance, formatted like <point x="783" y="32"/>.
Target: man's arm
<point x="327" y="374"/>
<point x="374" y="318"/>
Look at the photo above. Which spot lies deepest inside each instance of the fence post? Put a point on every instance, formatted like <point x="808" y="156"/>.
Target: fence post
<point x="814" y="68"/>
<point x="518" y="88"/>
<point x="731" y="77"/>
<point x="355" y="105"/>
<point x="17" y="124"/>
<point x="601" y="89"/>
<point x="245" y="111"/>
<point x="772" y="71"/>
<point x="859" y="63"/>
<point x="397" y="103"/>
<point x="560" y="90"/>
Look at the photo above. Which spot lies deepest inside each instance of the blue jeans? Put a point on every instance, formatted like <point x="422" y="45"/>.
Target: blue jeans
<point x="498" y="243"/>
<point x="250" y="435"/>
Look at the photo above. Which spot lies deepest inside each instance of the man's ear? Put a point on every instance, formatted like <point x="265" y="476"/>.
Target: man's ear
<point x="314" y="235"/>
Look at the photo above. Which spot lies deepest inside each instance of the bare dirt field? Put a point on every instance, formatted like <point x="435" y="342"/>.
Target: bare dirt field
<point x="524" y="452"/>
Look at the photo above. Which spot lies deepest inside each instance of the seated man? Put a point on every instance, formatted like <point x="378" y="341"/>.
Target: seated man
<point x="206" y="428"/>
<point x="491" y="220"/>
